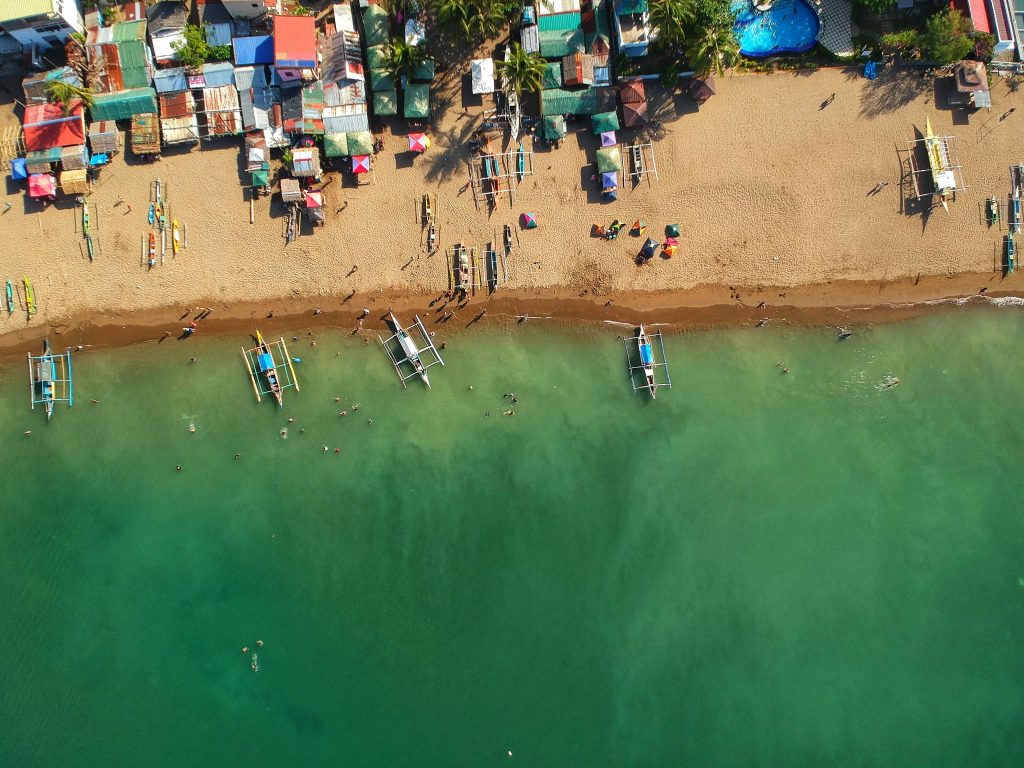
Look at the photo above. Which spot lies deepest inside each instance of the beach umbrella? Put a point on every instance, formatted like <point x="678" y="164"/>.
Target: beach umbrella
<point x="670" y="251"/>
<point x="314" y="199"/>
<point x="672" y="230"/>
<point x="609" y="159"/>
<point x="554" y="127"/>
<point x="608" y="139"/>
<point x="604" y="121"/>
<point x="701" y="90"/>
<point x="361" y="164"/>
<point x="647" y="251"/>
<point x="42" y="185"/>
<point x="632" y="92"/>
<point x="529" y="220"/>
<point x="418" y="142"/>
<point x="18" y="170"/>
<point x="634" y="115"/>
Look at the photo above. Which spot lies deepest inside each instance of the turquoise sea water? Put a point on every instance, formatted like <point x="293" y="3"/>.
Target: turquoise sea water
<point x="757" y="569"/>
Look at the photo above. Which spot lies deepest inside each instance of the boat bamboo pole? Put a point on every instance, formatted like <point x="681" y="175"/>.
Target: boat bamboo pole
<point x="31" y="384"/>
<point x="252" y="211"/>
<point x="71" y="385"/>
<point x="288" y="360"/>
<point x="252" y="378"/>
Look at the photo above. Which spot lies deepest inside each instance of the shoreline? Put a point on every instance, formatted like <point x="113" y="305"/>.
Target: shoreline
<point x="701" y="309"/>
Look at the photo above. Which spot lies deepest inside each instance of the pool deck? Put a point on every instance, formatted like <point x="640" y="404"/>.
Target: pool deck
<point x="836" y="27"/>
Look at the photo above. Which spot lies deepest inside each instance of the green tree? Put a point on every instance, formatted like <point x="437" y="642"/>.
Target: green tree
<point x="400" y="58"/>
<point x="65" y="94"/>
<point x="194" y="51"/>
<point x="672" y="19"/>
<point x="474" y="19"/>
<point x="947" y="37"/>
<point x="712" y="50"/>
<point x="523" y="71"/>
<point x="875" y="6"/>
<point x="711" y="13"/>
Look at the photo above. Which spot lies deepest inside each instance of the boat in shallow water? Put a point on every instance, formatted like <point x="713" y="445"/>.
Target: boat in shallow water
<point x="647" y="360"/>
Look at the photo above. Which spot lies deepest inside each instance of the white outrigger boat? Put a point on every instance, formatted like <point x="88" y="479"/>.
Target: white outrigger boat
<point x="941" y="165"/>
<point x="50" y="379"/>
<point x="412" y="351"/>
<point x="647" y="361"/>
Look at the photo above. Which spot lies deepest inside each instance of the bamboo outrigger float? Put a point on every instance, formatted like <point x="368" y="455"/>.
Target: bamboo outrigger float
<point x="409" y="351"/>
<point x="49" y="377"/>
<point x="268" y="376"/>
<point x="643" y="365"/>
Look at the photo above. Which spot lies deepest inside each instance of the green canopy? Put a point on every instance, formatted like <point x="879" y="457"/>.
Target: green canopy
<point x="336" y="145"/>
<point x="672" y="230"/>
<point x="376" y="25"/>
<point x="261" y="178"/>
<point x="360" y="143"/>
<point x="552" y="75"/>
<point x="425" y="71"/>
<point x="554" y="127"/>
<point x="604" y="121"/>
<point x="608" y="159"/>
<point x="381" y="79"/>
<point x="385" y="103"/>
<point x="377" y="56"/>
<point x="417" y="101"/>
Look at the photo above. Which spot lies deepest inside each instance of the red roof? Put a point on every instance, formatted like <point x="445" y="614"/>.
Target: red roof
<point x="976" y="11"/>
<point x="295" y="42"/>
<point x="47" y="126"/>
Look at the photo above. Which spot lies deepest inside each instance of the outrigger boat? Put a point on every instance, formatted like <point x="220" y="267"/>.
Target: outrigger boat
<point x="1011" y="264"/>
<point x="152" y="213"/>
<point x="30" y="296"/>
<point x="412" y="352"/>
<point x="943" y="176"/>
<point x="152" y="250"/>
<point x="10" y="298"/>
<point x="520" y="162"/>
<point x="50" y="379"/>
<point x="647" y="361"/>
<point x="260" y="362"/>
<point x="992" y="208"/>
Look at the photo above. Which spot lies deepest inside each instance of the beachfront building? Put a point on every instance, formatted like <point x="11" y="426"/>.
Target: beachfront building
<point x="250" y="9"/>
<point x="40" y="23"/>
<point x="166" y="29"/>
<point x="996" y="17"/>
<point x="633" y="31"/>
<point x="344" y="79"/>
<point x="120" y="57"/>
<point x="295" y="48"/>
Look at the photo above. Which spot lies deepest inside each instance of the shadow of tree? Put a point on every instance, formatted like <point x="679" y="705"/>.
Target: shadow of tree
<point x="894" y="91"/>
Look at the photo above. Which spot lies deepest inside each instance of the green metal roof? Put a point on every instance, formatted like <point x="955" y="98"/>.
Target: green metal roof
<point x="558" y="101"/>
<point x="21" y="9"/>
<point x="360" y="143"/>
<point x="552" y="76"/>
<point x="132" y="54"/>
<point x="135" y="77"/>
<point x="385" y="103"/>
<point x="129" y="30"/>
<point x="123" y="104"/>
<point x="417" y="100"/>
<point x="559" y="22"/>
<point x="376" y="25"/>
<point x="556" y="44"/>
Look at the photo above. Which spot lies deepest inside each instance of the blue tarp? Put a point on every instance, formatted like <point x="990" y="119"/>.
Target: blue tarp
<point x="645" y="354"/>
<point x="18" y="171"/>
<point x="266" y="362"/>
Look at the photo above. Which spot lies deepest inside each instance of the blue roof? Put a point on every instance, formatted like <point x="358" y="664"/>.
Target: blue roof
<point x="170" y="80"/>
<point x="221" y="73"/>
<point x="253" y="50"/>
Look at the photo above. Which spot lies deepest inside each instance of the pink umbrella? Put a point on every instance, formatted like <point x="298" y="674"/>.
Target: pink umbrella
<point x="608" y="139"/>
<point x="42" y="185"/>
<point x="418" y="142"/>
<point x="361" y="164"/>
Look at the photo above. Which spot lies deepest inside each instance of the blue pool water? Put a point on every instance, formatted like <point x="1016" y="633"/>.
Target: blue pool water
<point x="789" y="26"/>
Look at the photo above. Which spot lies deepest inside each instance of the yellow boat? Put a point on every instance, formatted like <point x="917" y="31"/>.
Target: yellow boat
<point x="30" y="297"/>
<point x="940" y="164"/>
<point x="176" y="237"/>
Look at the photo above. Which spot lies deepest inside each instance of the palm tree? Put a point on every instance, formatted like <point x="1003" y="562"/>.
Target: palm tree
<point x="65" y="94"/>
<point x="400" y="58"/>
<point x="672" y="19"/>
<point x="522" y="71"/>
<point x="712" y="50"/>
<point x="473" y="18"/>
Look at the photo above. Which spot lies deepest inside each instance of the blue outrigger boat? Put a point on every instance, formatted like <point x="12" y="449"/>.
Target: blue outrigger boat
<point x="642" y="371"/>
<point x="1011" y="264"/>
<point x="260" y="361"/>
<point x="520" y="162"/>
<point x="10" y="298"/>
<point x="49" y="378"/>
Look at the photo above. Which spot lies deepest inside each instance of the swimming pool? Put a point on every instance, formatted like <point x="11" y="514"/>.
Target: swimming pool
<point x="789" y="26"/>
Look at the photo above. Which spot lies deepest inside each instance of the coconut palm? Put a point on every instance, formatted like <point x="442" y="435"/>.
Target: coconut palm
<point x="473" y="18"/>
<point x="712" y="50"/>
<point x="65" y="94"/>
<point x="672" y="19"/>
<point x="522" y="71"/>
<point x="400" y="58"/>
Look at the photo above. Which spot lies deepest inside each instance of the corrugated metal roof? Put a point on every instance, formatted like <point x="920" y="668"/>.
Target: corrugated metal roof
<point x="376" y="25"/>
<point x="129" y="30"/>
<point x="556" y="44"/>
<point x="180" y="130"/>
<point x="344" y="93"/>
<point x="217" y="33"/>
<point x="343" y="20"/>
<point x="248" y="113"/>
<point x="224" y="123"/>
<point x="559" y="22"/>
<point x="295" y="41"/>
<point x="588" y="101"/>
<point x="552" y="76"/>
<point x="223" y="98"/>
<point x="132" y="54"/>
<point x="22" y="9"/>
<point x="253" y="50"/>
<point x="530" y="37"/>
<point x="244" y="77"/>
<point x="349" y="123"/>
<point x="219" y="74"/>
<point x="177" y="104"/>
<point x="134" y="77"/>
<point x="170" y="80"/>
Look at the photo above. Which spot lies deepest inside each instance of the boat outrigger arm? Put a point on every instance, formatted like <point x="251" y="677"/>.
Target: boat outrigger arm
<point x="415" y="355"/>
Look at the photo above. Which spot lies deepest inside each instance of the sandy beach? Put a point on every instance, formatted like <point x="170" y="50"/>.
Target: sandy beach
<point x="771" y="191"/>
